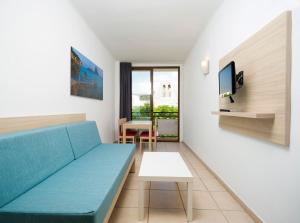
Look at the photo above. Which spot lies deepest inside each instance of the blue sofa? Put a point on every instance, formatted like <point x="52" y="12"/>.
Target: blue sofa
<point x="61" y="174"/>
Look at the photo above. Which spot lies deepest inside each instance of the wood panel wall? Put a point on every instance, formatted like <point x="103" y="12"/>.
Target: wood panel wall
<point x="13" y="124"/>
<point x="265" y="59"/>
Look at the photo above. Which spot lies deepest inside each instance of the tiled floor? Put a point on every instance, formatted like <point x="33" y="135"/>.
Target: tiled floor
<point x="165" y="202"/>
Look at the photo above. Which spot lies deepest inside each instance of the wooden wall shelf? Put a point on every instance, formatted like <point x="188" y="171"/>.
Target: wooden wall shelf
<point x="246" y="114"/>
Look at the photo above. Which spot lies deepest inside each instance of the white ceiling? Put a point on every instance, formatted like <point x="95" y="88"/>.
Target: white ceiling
<point x="147" y="30"/>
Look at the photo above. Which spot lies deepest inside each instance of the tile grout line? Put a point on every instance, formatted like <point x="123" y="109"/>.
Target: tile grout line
<point x="209" y="192"/>
<point x="192" y="165"/>
<point x="245" y="208"/>
<point x="218" y="206"/>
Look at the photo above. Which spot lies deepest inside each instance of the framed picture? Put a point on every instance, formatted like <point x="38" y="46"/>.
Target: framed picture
<point x="86" y="77"/>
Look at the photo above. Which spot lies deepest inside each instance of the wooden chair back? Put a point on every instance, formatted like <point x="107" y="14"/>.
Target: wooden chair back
<point x="121" y="122"/>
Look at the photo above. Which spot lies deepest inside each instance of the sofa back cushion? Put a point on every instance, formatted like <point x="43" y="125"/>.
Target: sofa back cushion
<point x="27" y="158"/>
<point x="84" y="136"/>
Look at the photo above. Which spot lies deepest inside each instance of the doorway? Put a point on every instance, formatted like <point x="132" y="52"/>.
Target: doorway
<point x="155" y="95"/>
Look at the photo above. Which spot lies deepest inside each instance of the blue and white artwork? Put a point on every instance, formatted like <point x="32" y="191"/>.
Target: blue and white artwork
<point x="86" y="77"/>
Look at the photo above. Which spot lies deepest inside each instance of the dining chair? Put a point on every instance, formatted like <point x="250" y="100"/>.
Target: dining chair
<point x="130" y="134"/>
<point x="144" y="136"/>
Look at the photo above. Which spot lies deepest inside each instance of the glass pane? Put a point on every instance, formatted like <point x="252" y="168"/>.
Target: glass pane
<point x="141" y="95"/>
<point x="165" y="102"/>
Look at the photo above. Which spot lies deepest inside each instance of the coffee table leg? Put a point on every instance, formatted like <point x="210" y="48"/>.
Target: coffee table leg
<point x="141" y="200"/>
<point x="190" y="202"/>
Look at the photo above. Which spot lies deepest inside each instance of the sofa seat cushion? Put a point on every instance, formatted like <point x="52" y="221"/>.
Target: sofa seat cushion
<point x="84" y="136"/>
<point x="29" y="157"/>
<point x="81" y="192"/>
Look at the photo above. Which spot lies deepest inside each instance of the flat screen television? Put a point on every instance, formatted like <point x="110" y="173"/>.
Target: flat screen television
<point x="227" y="82"/>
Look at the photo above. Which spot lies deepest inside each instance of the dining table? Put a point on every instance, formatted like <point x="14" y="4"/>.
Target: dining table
<point x="138" y="125"/>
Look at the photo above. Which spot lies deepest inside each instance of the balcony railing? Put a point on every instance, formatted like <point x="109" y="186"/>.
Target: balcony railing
<point x="167" y="123"/>
<point x="158" y="115"/>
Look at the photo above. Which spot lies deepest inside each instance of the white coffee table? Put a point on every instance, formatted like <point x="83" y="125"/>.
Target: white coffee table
<point x="164" y="166"/>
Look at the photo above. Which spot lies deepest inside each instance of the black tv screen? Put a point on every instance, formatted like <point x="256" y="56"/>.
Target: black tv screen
<point x="227" y="80"/>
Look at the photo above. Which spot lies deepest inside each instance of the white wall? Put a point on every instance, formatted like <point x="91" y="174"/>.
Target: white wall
<point x="264" y="175"/>
<point x="35" y="41"/>
<point x="117" y="98"/>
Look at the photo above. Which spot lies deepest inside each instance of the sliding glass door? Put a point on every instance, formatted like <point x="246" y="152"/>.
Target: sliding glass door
<point x="165" y="102"/>
<point x="141" y="95"/>
<point x="155" y="95"/>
